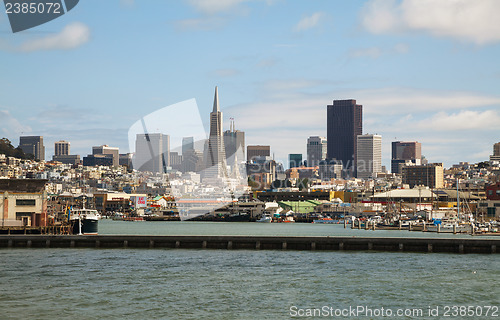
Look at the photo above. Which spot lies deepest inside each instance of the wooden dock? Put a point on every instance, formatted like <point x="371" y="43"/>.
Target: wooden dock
<point x="448" y="245"/>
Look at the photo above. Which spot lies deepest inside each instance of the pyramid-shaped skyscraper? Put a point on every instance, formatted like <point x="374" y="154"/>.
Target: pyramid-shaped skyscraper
<point x="216" y="156"/>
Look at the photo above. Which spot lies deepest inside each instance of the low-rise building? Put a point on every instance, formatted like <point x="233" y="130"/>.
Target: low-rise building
<point x="23" y="203"/>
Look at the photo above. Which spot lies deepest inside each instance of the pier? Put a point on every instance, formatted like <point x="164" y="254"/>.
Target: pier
<point x="461" y="246"/>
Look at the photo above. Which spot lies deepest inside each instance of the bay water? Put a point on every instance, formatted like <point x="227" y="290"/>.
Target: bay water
<point x="244" y="284"/>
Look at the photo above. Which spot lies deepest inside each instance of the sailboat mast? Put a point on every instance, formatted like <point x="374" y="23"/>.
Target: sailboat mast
<point x="458" y="202"/>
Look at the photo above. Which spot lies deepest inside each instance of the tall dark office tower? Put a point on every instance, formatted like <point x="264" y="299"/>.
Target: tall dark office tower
<point x="216" y="157"/>
<point x="294" y="160"/>
<point x="345" y="123"/>
<point x="33" y="145"/>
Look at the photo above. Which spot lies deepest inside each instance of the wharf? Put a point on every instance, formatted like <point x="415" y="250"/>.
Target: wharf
<point x="442" y="245"/>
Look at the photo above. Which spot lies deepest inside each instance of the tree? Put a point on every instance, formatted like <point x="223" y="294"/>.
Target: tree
<point x="8" y="149"/>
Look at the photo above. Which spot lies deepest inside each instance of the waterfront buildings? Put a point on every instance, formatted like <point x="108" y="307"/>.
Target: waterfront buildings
<point x="369" y="155"/>
<point x="344" y="124"/>
<point x="23" y="202"/>
<point x="110" y="151"/>
<point x="404" y="153"/>
<point x="316" y="150"/>
<point x="33" y="145"/>
<point x="258" y="151"/>
<point x="152" y="152"/>
<point x="430" y="175"/>
<point x="216" y="155"/>
<point x="294" y="160"/>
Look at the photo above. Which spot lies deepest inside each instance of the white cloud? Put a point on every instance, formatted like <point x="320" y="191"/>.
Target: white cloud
<point x="309" y="21"/>
<point x="404" y="100"/>
<point x="10" y="127"/>
<point x="449" y="124"/>
<point x="214" y="6"/>
<point x="70" y="37"/>
<point x="472" y="21"/>
<point x="463" y="120"/>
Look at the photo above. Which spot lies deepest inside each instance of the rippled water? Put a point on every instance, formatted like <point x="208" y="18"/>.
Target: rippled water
<point x="258" y="229"/>
<point x="221" y="284"/>
<point x="225" y="284"/>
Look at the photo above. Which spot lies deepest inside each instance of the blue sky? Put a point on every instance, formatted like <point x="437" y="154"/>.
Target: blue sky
<point x="423" y="70"/>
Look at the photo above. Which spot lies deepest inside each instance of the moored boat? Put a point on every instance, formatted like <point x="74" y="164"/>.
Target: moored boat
<point x="84" y="221"/>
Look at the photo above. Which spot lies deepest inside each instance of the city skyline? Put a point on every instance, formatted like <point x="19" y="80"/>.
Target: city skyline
<point x="94" y="83"/>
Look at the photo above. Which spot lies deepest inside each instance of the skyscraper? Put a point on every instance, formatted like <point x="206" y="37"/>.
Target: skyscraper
<point x="316" y="150"/>
<point x="33" y="145"/>
<point x="369" y="155"/>
<point x="294" y="160"/>
<point x="216" y="155"/>
<point x="234" y="141"/>
<point x="107" y="150"/>
<point x="152" y="152"/>
<point x="344" y="124"/>
<point x="496" y="153"/>
<point x="187" y="144"/>
<point x="61" y="148"/>
<point x="258" y="151"/>
<point x="403" y="152"/>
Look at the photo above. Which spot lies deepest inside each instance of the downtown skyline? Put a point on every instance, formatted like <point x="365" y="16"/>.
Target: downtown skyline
<point x="88" y="76"/>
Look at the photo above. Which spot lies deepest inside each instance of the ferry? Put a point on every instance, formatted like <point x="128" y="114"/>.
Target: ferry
<point x="84" y="221"/>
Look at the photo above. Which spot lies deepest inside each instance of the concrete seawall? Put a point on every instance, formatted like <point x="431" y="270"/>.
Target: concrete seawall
<point x="485" y="246"/>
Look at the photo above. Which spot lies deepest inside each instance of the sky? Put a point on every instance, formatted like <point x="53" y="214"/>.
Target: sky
<point x="423" y="70"/>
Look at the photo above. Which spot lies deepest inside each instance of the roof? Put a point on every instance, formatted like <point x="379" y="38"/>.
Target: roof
<point x="406" y="193"/>
<point x="22" y="185"/>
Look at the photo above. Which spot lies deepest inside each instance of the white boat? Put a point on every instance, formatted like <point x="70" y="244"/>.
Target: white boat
<point x="84" y="221"/>
<point x="265" y="218"/>
<point x="447" y="227"/>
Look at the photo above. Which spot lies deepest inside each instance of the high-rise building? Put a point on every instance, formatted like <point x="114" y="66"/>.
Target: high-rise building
<point x="295" y="160"/>
<point x="496" y="153"/>
<point x="216" y="155"/>
<point x="316" y="150"/>
<point x="234" y="141"/>
<point x="405" y="152"/>
<point x="187" y="144"/>
<point x="61" y="148"/>
<point x="344" y="124"/>
<point x="176" y="160"/>
<point x="33" y="145"/>
<point x="430" y="175"/>
<point x="257" y="152"/>
<point x="369" y="155"/>
<point x="125" y="159"/>
<point x="496" y="149"/>
<point x="107" y="150"/>
<point x="152" y="152"/>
